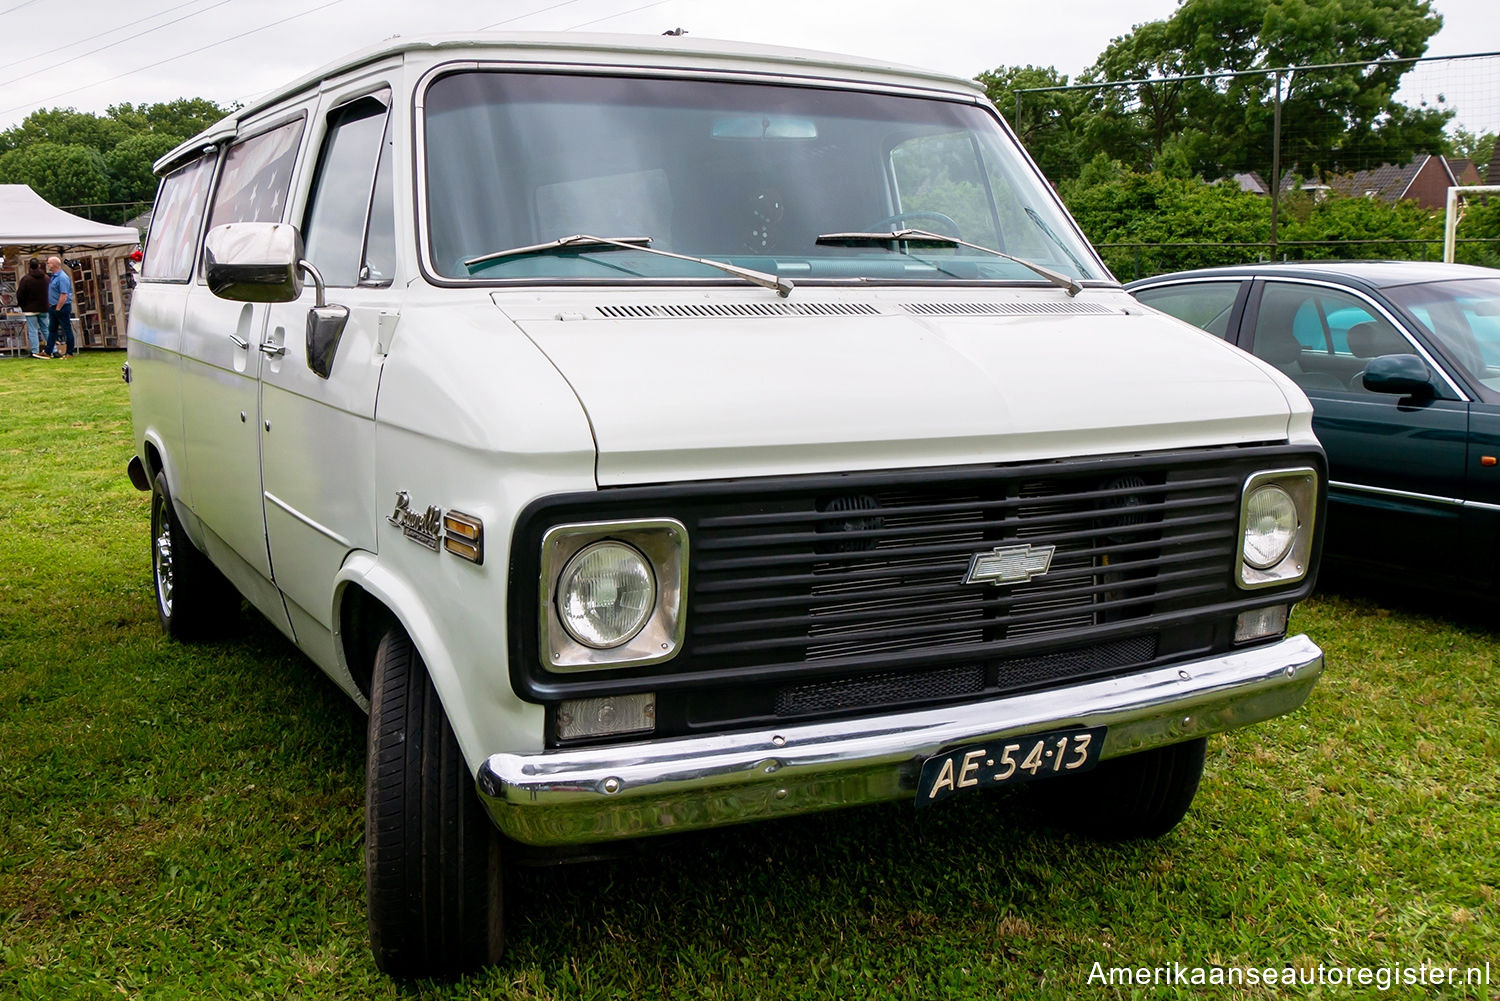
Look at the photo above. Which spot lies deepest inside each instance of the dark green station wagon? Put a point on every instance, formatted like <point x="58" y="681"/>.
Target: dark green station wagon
<point x="1401" y="361"/>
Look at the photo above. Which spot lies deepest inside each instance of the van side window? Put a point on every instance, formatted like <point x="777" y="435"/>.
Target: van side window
<point x="380" y="245"/>
<point x="340" y="205"/>
<point x="257" y="177"/>
<point x="173" y="238"/>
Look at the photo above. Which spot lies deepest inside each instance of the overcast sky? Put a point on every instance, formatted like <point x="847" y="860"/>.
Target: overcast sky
<point x="90" y="54"/>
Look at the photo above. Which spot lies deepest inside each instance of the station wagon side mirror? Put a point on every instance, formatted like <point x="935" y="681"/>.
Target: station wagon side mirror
<point x="1399" y="375"/>
<point x="263" y="262"/>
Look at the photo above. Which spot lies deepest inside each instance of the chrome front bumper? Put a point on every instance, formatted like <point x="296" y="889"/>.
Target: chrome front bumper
<point x="631" y="790"/>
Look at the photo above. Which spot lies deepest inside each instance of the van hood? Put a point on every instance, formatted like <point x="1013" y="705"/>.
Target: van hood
<point x="732" y="384"/>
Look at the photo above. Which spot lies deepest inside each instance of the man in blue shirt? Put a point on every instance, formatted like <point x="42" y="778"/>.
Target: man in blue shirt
<point x="60" y="306"/>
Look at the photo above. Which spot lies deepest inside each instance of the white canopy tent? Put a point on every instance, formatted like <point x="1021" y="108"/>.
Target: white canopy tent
<point x="27" y="220"/>
<point x="97" y="258"/>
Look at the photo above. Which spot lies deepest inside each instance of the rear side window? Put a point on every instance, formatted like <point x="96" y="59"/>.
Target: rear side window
<point x="340" y="211"/>
<point x="1203" y="304"/>
<point x="257" y="177"/>
<point x="173" y="237"/>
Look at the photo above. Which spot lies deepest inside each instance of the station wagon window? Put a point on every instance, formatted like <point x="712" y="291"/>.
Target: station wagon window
<point x="744" y="173"/>
<point x="172" y="240"/>
<point x="1203" y="304"/>
<point x="257" y="177"/>
<point x="1464" y="317"/>
<point x="1322" y="337"/>
<point x="340" y="207"/>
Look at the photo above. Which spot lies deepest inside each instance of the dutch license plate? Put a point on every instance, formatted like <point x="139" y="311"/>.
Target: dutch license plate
<point x="1008" y="761"/>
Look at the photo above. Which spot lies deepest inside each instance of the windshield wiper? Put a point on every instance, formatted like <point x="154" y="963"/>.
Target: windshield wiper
<point x="928" y="238"/>
<point x="1031" y="214"/>
<point x="582" y="241"/>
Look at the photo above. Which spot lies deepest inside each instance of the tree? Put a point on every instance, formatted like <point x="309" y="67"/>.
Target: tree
<point x="1480" y="220"/>
<point x="76" y="158"/>
<point x="1133" y="123"/>
<point x="1351" y="221"/>
<point x="63" y="175"/>
<point x="1043" y="122"/>
<point x="1478" y="147"/>
<point x="1343" y="118"/>
<point x="64" y="127"/>
<point x="129" y="165"/>
<point x="184" y="117"/>
<point x="1150" y="212"/>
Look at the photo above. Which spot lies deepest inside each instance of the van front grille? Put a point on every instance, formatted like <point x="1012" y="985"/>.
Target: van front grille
<point x="827" y="594"/>
<point x="882" y="572"/>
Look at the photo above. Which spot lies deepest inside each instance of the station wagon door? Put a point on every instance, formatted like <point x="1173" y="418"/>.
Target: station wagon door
<point x="1395" y="466"/>
<point x="318" y="394"/>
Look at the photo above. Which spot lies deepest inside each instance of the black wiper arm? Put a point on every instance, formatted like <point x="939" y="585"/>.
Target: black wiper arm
<point x="578" y="241"/>
<point x="923" y="237"/>
<point x="1037" y="220"/>
<point x="583" y="241"/>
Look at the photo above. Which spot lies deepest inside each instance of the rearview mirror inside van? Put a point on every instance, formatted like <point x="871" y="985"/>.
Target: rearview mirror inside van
<point x="765" y="127"/>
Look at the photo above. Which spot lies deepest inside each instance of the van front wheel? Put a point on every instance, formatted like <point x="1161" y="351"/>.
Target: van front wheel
<point x="193" y="600"/>
<point x="1138" y="796"/>
<point x="432" y="857"/>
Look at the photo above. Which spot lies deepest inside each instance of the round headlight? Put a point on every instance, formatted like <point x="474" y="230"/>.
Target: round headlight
<point x="1270" y="526"/>
<point x="606" y="594"/>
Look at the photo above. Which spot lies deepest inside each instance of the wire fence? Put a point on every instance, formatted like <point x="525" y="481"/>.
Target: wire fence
<point x="113" y="213"/>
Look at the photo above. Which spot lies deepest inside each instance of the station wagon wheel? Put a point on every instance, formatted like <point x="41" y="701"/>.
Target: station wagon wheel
<point x="432" y="857"/>
<point x="193" y="600"/>
<point x="1142" y="795"/>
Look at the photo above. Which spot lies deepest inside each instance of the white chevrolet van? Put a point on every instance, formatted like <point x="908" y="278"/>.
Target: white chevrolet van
<point x="657" y="434"/>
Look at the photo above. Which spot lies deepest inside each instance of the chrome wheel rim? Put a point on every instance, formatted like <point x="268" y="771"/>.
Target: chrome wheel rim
<point x="161" y="556"/>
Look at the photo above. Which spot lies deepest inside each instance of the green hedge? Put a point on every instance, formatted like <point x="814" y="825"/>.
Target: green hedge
<point x="1147" y="224"/>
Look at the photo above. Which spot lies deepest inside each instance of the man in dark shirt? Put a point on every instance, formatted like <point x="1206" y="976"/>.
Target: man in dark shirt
<point x="31" y="296"/>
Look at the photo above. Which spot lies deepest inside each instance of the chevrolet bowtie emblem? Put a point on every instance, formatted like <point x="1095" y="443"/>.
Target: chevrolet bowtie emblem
<point x="1009" y="564"/>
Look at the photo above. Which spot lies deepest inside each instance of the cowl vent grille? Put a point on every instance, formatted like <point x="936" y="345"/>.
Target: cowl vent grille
<point x="737" y="309"/>
<point x="1005" y="308"/>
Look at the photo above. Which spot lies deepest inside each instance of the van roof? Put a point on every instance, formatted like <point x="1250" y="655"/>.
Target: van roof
<point x="675" y="52"/>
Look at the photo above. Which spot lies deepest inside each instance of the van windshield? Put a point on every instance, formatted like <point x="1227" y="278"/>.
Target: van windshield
<point x="746" y="174"/>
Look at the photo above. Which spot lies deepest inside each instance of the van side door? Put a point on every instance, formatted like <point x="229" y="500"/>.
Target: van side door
<point x="222" y="351"/>
<point x="318" y="386"/>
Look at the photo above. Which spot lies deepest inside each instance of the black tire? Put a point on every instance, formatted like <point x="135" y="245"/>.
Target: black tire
<point x="432" y="857"/>
<point x="193" y="600"/>
<point x="1141" y="795"/>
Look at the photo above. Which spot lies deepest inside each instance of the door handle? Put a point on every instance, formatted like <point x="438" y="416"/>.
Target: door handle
<point x="239" y="341"/>
<point x="272" y="350"/>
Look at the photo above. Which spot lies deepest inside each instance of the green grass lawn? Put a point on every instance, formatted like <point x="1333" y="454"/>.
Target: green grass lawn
<point x="185" y="821"/>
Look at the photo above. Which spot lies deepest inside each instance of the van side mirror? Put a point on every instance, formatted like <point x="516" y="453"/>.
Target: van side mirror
<point x="253" y="261"/>
<point x="1399" y="375"/>
<point x="262" y="262"/>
